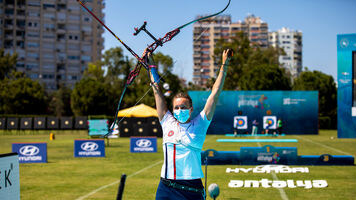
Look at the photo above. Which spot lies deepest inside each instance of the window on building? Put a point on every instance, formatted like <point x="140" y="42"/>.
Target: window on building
<point x="9" y="11"/>
<point x="47" y="5"/>
<point x="48" y="45"/>
<point x="34" y="3"/>
<point x="73" y="27"/>
<point x="73" y="47"/>
<point x="61" y="26"/>
<point x="49" y="35"/>
<point x="61" y="6"/>
<point x="48" y="56"/>
<point x="61" y="16"/>
<point x="49" y="15"/>
<point x="33" y="13"/>
<point x="20" y="65"/>
<point x="73" y="57"/>
<point x="33" y="44"/>
<point x="86" y="58"/>
<point x="8" y="43"/>
<point x="33" y="76"/>
<point x="86" y="28"/>
<point x="32" y="66"/>
<point x="61" y="56"/>
<point x="33" y="55"/>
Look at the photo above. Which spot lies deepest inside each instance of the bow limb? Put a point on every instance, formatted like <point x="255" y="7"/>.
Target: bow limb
<point x="206" y="17"/>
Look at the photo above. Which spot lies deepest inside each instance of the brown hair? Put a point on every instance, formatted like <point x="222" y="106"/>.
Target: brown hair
<point x="183" y="95"/>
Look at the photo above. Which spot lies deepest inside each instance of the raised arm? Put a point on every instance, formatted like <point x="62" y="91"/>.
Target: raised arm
<point x="210" y="105"/>
<point x="161" y="105"/>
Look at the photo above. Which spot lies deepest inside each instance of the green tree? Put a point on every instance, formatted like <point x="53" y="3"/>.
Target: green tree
<point x="264" y="77"/>
<point x="7" y="63"/>
<point x="115" y="62"/>
<point x="164" y="62"/>
<point x="21" y="95"/>
<point x="92" y="95"/>
<point x="325" y="84"/>
<point x="141" y="90"/>
<point x="60" y="102"/>
<point x="252" y="68"/>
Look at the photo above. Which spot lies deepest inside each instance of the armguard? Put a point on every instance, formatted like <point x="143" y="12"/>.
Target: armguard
<point x="153" y="70"/>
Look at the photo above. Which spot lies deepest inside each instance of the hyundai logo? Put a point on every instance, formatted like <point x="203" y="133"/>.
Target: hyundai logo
<point x="143" y="143"/>
<point x="29" y="150"/>
<point x="89" y="146"/>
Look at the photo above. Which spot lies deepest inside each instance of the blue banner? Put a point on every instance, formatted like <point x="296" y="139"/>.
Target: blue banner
<point x="89" y="148"/>
<point x="143" y="144"/>
<point x="9" y="177"/>
<point x="268" y="155"/>
<point x="298" y="110"/>
<point x="31" y="152"/>
<point x="346" y="90"/>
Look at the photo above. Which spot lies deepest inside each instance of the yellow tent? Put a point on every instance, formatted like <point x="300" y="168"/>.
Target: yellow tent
<point x="138" y="111"/>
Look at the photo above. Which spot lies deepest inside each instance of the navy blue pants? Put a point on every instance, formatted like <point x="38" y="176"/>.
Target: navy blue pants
<point x="168" y="193"/>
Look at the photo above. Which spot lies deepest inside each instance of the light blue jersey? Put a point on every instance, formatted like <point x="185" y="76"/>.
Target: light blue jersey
<point x="182" y="145"/>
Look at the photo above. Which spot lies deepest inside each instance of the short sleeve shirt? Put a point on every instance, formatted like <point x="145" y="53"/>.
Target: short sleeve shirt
<point x="182" y="144"/>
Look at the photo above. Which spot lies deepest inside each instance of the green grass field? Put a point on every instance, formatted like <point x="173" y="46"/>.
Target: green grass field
<point x="66" y="177"/>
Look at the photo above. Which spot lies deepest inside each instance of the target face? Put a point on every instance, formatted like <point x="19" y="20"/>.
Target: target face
<point x="240" y="122"/>
<point x="269" y="122"/>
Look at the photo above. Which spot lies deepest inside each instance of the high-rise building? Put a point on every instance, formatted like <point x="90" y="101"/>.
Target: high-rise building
<point x="207" y="32"/>
<point x="54" y="39"/>
<point x="291" y="42"/>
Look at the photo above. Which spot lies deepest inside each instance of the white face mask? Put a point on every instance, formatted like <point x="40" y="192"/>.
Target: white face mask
<point x="182" y="115"/>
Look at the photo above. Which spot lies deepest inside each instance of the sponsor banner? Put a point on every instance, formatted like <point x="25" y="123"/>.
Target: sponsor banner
<point x="9" y="177"/>
<point x="265" y="183"/>
<point x="297" y="109"/>
<point x="31" y="152"/>
<point x="143" y="144"/>
<point x="269" y="122"/>
<point x="240" y="122"/>
<point x="269" y="169"/>
<point x="268" y="155"/>
<point x="89" y="148"/>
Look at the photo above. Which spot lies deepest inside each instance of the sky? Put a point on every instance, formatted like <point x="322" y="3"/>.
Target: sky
<point x="320" y="21"/>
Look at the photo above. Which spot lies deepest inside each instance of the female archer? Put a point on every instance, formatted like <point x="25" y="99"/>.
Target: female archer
<point x="183" y="137"/>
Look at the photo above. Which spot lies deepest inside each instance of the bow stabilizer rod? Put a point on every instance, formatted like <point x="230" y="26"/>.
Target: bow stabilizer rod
<point x="140" y="60"/>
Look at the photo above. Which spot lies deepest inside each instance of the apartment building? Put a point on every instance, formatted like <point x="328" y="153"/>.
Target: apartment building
<point x="207" y="32"/>
<point x="54" y="39"/>
<point x="291" y="42"/>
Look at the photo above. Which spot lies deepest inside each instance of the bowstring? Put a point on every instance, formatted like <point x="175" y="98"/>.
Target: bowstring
<point x="165" y="73"/>
<point x="149" y="89"/>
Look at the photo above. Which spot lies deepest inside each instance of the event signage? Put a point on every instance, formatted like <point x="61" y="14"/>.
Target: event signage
<point x="89" y="148"/>
<point x="268" y="155"/>
<point x="298" y="110"/>
<point x="143" y="144"/>
<point x="31" y="152"/>
<point x="265" y="183"/>
<point x="269" y="169"/>
<point x="9" y="176"/>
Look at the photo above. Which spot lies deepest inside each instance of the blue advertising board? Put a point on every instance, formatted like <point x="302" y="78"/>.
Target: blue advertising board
<point x="298" y="109"/>
<point x="89" y="148"/>
<point x="268" y="155"/>
<point x="9" y="176"/>
<point x="31" y="152"/>
<point x="346" y="90"/>
<point x="143" y="144"/>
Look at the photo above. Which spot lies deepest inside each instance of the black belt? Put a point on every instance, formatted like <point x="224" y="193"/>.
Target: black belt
<point x="175" y="185"/>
